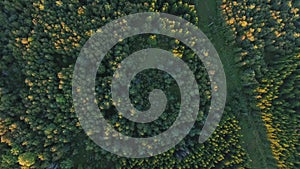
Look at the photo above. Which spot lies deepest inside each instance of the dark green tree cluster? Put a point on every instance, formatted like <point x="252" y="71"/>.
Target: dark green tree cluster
<point x="222" y="150"/>
<point x="40" y="42"/>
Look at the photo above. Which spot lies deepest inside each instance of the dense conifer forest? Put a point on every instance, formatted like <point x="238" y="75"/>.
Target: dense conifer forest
<point x="258" y="44"/>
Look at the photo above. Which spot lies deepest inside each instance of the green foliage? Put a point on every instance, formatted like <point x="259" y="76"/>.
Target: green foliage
<point x="267" y="34"/>
<point x="38" y="125"/>
<point x="67" y="164"/>
<point x="26" y="159"/>
<point x="223" y="150"/>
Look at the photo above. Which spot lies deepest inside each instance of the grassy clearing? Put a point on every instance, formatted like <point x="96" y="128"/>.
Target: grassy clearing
<point x="253" y="130"/>
<point x="208" y="22"/>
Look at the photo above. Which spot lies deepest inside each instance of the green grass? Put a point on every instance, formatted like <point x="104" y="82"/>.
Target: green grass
<point x="254" y="132"/>
<point x="208" y="19"/>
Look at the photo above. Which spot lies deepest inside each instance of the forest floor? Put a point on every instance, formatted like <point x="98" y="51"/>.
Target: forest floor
<point x="252" y="128"/>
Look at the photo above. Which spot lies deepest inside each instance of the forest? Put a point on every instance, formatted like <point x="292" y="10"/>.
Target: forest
<point x="257" y="41"/>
